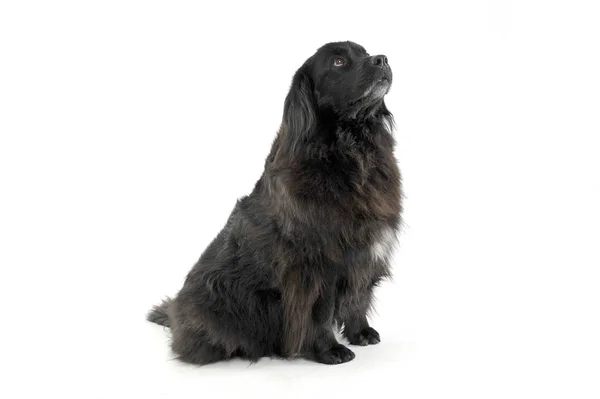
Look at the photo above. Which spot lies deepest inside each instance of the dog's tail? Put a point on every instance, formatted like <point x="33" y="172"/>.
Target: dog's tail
<point x="158" y="314"/>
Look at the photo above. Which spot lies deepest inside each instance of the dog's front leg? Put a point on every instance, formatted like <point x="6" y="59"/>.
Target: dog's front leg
<point x="308" y="304"/>
<point x="325" y="347"/>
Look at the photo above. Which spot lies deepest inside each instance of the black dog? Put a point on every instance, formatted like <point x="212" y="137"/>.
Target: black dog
<point x="302" y="253"/>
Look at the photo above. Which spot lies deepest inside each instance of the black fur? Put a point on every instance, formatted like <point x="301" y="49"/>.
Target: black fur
<point x="301" y="254"/>
<point x="158" y="314"/>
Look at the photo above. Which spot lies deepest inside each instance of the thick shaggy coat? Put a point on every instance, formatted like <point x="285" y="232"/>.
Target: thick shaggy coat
<point x="301" y="254"/>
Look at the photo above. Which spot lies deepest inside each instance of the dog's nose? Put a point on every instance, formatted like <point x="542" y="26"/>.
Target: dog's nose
<point x="379" y="60"/>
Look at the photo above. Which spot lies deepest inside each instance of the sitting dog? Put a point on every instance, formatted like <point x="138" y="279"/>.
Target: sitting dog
<point x="301" y="254"/>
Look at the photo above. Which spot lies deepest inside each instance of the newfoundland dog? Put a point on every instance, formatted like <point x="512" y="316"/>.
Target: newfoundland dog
<point x="300" y="256"/>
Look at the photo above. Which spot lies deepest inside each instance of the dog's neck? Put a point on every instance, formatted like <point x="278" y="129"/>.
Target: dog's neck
<point x="359" y="122"/>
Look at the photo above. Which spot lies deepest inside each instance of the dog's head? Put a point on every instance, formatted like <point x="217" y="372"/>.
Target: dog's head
<point x="341" y="81"/>
<point x="345" y="75"/>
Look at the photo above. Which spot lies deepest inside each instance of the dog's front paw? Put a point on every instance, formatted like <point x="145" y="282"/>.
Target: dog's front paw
<point x="368" y="336"/>
<point x="335" y="355"/>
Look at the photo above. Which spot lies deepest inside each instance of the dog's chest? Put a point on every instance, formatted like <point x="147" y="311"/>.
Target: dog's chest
<point x="382" y="247"/>
<point x="367" y="265"/>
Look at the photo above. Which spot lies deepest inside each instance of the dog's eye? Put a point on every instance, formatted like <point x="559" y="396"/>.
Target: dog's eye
<point x="338" y="62"/>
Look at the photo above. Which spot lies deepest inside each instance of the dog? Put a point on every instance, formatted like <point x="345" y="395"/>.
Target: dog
<point x="300" y="256"/>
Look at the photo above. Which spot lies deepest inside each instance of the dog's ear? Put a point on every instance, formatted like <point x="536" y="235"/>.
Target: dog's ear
<point x="299" y="111"/>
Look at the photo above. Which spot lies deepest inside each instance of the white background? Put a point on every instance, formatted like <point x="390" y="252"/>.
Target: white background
<point x="118" y="119"/>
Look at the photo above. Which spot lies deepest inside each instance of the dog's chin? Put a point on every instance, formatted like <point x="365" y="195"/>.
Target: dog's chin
<point x="371" y="97"/>
<point x="381" y="88"/>
<point x="378" y="89"/>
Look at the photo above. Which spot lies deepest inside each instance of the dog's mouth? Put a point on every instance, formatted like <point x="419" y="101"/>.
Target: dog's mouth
<point x="386" y="77"/>
<point x="385" y="81"/>
<point x="379" y="87"/>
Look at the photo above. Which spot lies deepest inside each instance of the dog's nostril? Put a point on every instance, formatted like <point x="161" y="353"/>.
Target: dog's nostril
<point x="379" y="60"/>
